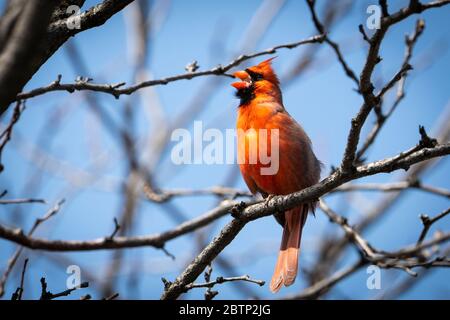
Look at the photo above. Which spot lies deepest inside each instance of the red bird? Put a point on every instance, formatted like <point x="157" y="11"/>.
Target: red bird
<point x="261" y="107"/>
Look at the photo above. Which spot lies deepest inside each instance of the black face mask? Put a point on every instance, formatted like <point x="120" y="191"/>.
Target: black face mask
<point x="246" y="95"/>
<point x="254" y="75"/>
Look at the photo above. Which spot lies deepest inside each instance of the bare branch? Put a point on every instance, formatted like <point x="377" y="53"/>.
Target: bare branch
<point x="22" y="201"/>
<point x="17" y="55"/>
<point x="166" y="195"/>
<point x="12" y="261"/>
<point x="93" y="17"/>
<point x="116" y="229"/>
<point x="47" y="295"/>
<point x="250" y="213"/>
<point x="428" y="222"/>
<point x="365" y="83"/>
<point x="325" y="285"/>
<point x="42" y="45"/>
<point x="332" y="249"/>
<point x="112" y="297"/>
<point x="394" y="186"/>
<point x="17" y="295"/>
<point x="399" y="77"/>
<point x="364" y="34"/>
<point x="220" y="280"/>
<point x="350" y="232"/>
<point x="384" y="7"/>
<point x="400" y="288"/>
<point x="117" y="91"/>
<point x="7" y="133"/>
<point x="156" y="240"/>
<point x="422" y="254"/>
<point x="320" y="28"/>
<point x="280" y="203"/>
<point x="389" y="259"/>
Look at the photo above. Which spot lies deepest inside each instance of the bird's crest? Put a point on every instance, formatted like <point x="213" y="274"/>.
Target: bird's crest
<point x="265" y="69"/>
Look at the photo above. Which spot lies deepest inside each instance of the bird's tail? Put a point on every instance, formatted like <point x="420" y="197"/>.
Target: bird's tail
<point x="287" y="263"/>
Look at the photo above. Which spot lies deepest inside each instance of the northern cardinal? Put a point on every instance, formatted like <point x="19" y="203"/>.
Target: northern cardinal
<point x="261" y="107"/>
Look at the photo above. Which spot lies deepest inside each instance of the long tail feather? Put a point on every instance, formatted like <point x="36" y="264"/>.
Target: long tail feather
<point x="287" y="263"/>
<point x="277" y="278"/>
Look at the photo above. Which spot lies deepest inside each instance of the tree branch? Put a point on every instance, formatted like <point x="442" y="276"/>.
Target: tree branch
<point x="209" y="284"/>
<point x="394" y="186"/>
<point x="116" y="89"/>
<point x="47" y="295"/>
<point x="18" y="56"/>
<point x="250" y="213"/>
<point x="365" y="83"/>
<point x="17" y="295"/>
<point x="7" y="133"/>
<point x="320" y="28"/>
<point x="220" y="280"/>
<point x="281" y="203"/>
<point x="157" y="240"/>
<point x="400" y="77"/>
<point x="12" y="261"/>
<point x="22" y="201"/>
<point x="427" y="223"/>
<point x="36" y="43"/>
<point x="324" y="285"/>
<point x="404" y="259"/>
<point x="162" y="196"/>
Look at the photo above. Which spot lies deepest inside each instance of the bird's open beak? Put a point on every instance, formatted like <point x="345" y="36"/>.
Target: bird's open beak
<point x="246" y="80"/>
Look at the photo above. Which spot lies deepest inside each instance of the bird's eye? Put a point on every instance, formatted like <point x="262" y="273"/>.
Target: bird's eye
<point x="254" y="75"/>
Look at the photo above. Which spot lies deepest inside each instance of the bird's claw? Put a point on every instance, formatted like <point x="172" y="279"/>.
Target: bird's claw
<point x="237" y="209"/>
<point x="267" y="199"/>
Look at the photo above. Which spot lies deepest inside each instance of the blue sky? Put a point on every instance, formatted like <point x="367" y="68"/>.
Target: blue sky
<point x="322" y="100"/>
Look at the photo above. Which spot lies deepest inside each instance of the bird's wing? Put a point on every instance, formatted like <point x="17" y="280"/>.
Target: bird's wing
<point x="250" y="182"/>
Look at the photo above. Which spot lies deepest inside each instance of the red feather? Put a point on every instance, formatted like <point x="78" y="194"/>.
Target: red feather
<point x="262" y="108"/>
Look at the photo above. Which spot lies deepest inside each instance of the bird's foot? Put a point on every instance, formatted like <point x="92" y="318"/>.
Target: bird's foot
<point x="237" y="209"/>
<point x="268" y="198"/>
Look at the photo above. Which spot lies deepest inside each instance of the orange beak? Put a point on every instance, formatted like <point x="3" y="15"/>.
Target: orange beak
<point x="246" y="80"/>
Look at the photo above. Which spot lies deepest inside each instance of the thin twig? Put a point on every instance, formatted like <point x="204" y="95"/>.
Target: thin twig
<point x="17" y="295"/>
<point x="116" y="229"/>
<point x="323" y="286"/>
<point x="393" y="187"/>
<point x="47" y="295"/>
<point x="353" y="235"/>
<point x="251" y="212"/>
<point x="12" y="261"/>
<point x="156" y="240"/>
<point x="162" y="196"/>
<point x="399" y="78"/>
<point x="320" y="28"/>
<point x="5" y="136"/>
<point x="278" y="203"/>
<point x="112" y="297"/>
<point x="219" y="280"/>
<point x="22" y="201"/>
<point x="116" y="89"/>
<point x="428" y="222"/>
